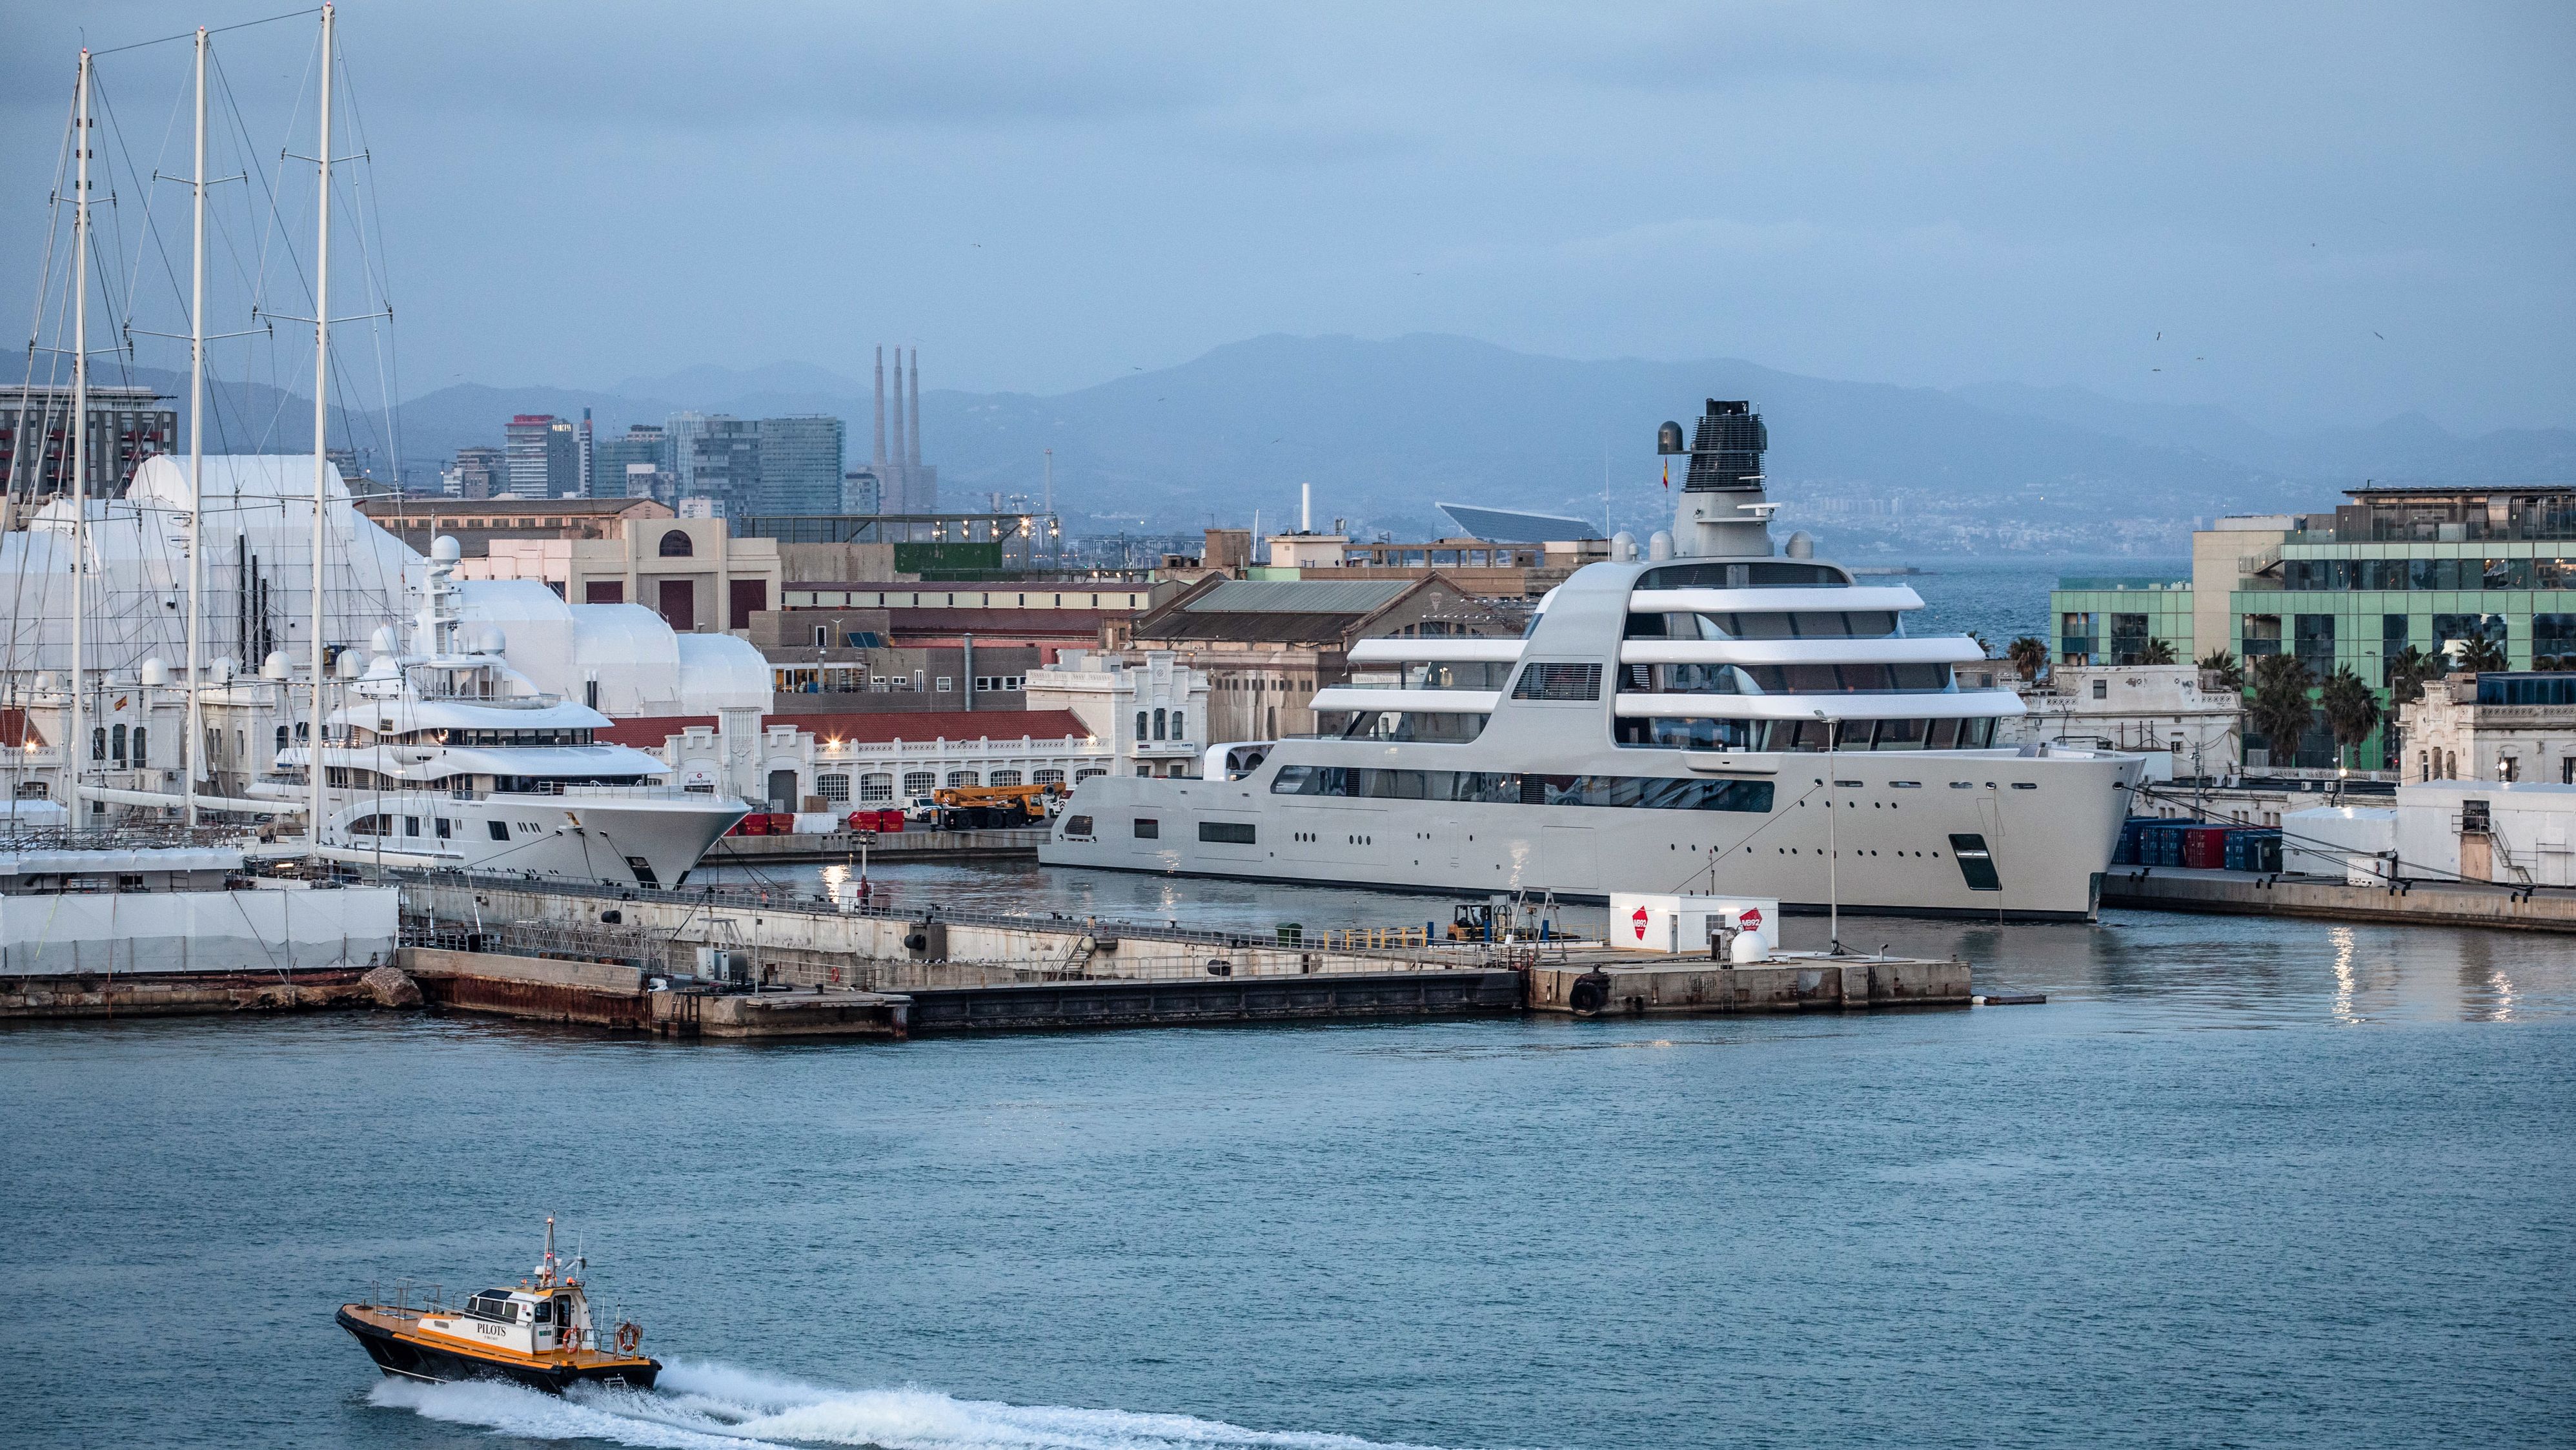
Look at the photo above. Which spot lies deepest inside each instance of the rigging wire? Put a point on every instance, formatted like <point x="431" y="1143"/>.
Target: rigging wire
<point x="213" y="30"/>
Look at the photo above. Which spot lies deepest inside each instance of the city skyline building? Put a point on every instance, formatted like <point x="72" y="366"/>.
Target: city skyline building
<point x="544" y="456"/>
<point x="801" y="461"/>
<point x="617" y="453"/>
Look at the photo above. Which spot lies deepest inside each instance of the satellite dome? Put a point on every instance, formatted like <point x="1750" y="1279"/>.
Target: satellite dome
<point x="1623" y="546"/>
<point x="1802" y="545"/>
<point x="382" y="641"/>
<point x="1660" y="546"/>
<point x="445" y="549"/>
<point x="276" y="667"/>
<point x="1668" y="439"/>
<point x="154" y="672"/>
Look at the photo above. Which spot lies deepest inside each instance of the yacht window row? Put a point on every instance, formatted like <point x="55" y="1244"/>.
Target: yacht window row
<point x="467" y="738"/>
<point x="1485" y="787"/>
<point x="1437" y="727"/>
<point x="1705" y="679"/>
<point x="1666" y="733"/>
<point x="1434" y="675"/>
<point x="1752" y="574"/>
<point x="1766" y="624"/>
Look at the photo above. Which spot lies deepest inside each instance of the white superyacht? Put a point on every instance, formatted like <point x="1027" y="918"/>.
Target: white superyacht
<point x="1719" y="716"/>
<point x="448" y="753"/>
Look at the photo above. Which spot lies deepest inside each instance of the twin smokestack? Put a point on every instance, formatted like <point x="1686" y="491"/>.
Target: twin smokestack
<point x="905" y="451"/>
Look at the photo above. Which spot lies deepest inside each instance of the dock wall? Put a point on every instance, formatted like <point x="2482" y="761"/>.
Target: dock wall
<point x="38" y="996"/>
<point x="1701" y="988"/>
<point x="2427" y="903"/>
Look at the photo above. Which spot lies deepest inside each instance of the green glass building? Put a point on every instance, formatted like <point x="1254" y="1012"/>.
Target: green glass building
<point x="2113" y="621"/>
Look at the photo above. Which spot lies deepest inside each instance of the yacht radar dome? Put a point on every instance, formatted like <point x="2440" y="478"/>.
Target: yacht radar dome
<point x="445" y="550"/>
<point x="1668" y="439"/>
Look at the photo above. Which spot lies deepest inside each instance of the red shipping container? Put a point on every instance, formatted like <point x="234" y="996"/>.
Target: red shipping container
<point x="893" y="822"/>
<point x="2205" y="848"/>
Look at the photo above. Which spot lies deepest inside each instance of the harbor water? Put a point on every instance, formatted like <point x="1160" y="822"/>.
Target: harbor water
<point x="2259" y="1183"/>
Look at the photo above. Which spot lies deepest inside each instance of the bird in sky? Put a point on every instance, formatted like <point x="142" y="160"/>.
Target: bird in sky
<point x="2383" y="337"/>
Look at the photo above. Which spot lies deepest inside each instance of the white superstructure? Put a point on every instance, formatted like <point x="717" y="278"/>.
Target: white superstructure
<point x="446" y="752"/>
<point x="1713" y="717"/>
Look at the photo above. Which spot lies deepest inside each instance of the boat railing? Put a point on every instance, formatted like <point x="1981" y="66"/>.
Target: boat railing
<point x="124" y="835"/>
<point x="645" y="946"/>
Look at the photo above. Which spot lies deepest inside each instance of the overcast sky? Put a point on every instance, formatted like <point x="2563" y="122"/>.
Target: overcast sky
<point x="2331" y="213"/>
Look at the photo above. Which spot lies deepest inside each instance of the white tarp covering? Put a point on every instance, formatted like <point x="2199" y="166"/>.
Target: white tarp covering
<point x="197" y="931"/>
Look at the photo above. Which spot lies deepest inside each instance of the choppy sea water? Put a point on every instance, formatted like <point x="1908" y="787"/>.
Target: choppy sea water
<point x="2259" y="1183"/>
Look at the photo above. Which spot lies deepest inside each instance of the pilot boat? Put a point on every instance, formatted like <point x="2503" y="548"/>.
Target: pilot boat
<point x="537" y="1333"/>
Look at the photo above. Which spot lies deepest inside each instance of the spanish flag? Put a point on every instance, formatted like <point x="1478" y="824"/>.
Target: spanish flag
<point x="1668" y="475"/>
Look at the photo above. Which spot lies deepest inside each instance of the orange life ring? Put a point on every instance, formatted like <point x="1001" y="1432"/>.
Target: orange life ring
<point x="569" y="1341"/>
<point x="628" y="1337"/>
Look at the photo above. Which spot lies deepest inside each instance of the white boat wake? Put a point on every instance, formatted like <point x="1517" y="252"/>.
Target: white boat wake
<point x="701" y="1406"/>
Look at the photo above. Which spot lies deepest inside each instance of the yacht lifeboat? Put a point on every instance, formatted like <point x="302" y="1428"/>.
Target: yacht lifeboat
<point x="538" y="1333"/>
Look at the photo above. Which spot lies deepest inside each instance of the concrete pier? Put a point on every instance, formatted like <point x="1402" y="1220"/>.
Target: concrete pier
<point x="901" y="846"/>
<point x="166" y="994"/>
<point x="1623" y="984"/>
<point x="2431" y="903"/>
<point x="1214" y="1000"/>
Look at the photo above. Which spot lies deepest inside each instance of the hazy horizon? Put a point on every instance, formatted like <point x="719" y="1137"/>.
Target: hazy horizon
<point x="2308" y="215"/>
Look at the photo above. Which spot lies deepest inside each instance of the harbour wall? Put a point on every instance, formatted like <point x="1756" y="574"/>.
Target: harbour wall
<point x="2422" y="903"/>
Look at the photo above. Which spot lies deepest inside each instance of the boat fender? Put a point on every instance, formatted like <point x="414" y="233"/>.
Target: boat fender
<point x="629" y="1337"/>
<point x="1589" y="994"/>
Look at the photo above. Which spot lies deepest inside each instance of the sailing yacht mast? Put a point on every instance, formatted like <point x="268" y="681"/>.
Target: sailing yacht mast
<point x="74" y="741"/>
<point x="192" y="744"/>
<point x="321" y="415"/>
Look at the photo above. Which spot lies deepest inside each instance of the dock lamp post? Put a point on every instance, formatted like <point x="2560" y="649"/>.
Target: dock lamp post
<point x="1833" y="853"/>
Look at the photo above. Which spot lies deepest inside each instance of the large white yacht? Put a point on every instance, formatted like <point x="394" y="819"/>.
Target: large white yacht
<point x="448" y="753"/>
<point x="1716" y="716"/>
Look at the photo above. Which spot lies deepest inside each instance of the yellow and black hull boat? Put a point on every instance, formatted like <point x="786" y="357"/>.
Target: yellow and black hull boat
<point x="402" y="1344"/>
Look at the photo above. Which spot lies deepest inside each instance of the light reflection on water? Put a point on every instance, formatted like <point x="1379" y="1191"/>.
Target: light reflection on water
<point x="2240" y="1182"/>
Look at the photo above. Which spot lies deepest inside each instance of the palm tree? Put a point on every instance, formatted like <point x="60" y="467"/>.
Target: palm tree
<point x="2407" y="673"/>
<point x="2482" y="654"/>
<point x="2280" y="705"/>
<point x="2028" y="654"/>
<point x="1985" y="646"/>
<point x="2351" y="708"/>
<point x="2222" y="664"/>
<point x="2157" y="652"/>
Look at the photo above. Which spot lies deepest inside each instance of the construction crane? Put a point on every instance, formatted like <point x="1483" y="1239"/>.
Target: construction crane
<point x="981" y="807"/>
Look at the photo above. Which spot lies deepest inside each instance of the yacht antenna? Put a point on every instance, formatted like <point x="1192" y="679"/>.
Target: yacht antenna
<point x="321" y="417"/>
<point x="1833" y="853"/>
<point x="192" y="743"/>
<point x="80" y="435"/>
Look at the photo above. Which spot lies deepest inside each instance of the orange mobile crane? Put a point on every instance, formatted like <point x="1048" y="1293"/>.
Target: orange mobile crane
<point x="982" y="807"/>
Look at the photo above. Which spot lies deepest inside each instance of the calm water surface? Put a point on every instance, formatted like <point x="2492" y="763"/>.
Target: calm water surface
<point x="2237" y="1184"/>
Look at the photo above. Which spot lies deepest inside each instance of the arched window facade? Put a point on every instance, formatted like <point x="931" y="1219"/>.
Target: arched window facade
<point x="1158" y="724"/>
<point x="142" y="756"/>
<point x="98" y="742"/>
<point x="116" y="744"/>
<point x="1179" y="730"/>
<point x="1141" y="721"/>
<point x="281" y="737"/>
<point x="676" y="545"/>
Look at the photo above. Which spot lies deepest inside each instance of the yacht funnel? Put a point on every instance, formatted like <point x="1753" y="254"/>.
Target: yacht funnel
<point x="1721" y="510"/>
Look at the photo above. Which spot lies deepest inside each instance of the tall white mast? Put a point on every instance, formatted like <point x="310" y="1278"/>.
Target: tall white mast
<point x="321" y="418"/>
<point x="78" y="740"/>
<point x="193" y="743"/>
